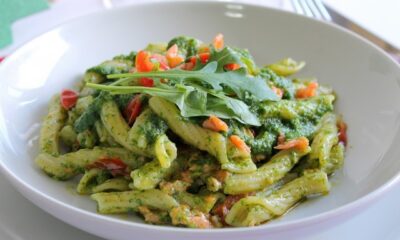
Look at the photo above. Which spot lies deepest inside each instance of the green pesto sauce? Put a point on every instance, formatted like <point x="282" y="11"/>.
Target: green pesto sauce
<point x="91" y="114"/>
<point x="154" y="127"/>
<point x="122" y="100"/>
<point x="119" y="64"/>
<point x="305" y="117"/>
<point x="263" y="143"/>
<point x="285" y="84"/>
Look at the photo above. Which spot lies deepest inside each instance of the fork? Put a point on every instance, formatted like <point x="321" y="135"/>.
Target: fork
<point x="316" y="9"/>
<point x="311" y="8"/>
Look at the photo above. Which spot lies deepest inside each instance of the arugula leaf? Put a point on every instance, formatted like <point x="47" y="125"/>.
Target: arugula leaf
<point x="223" y="57"/>
<point x="237" y="81"/>
<point x="192" y="101"/>
<point x="233" y="55"/>
<point x="248" y="60"/>
<point x="234" y="108"/>
<point x="281" y="82"/>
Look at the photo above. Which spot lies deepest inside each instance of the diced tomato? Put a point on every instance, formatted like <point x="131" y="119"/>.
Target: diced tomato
<point x="143" y="62"/>
<point x="115" y="165"/>
<point x="191" y="64"/>
<point x="231" y="66"/>
<point x="204" y="57"/>
<point x="188" y="66"/>
<point x="342" y="135"/>
<point x="239" y="143"/>
<point x="277" y="91"/>
<point x="174" y="59"/>
<point x="133" y="108"/>
<point x="300" y="143"/>
<point x="215" y="124"/>
<point x="146" y="82"/>
<point x="68" y="99"/>
<point x="193" y="59"/>
<point x="309" y="91"/>
<point x="218" y="42"/>
<point x="2" y="58"/>
<point x="162" y="60"/>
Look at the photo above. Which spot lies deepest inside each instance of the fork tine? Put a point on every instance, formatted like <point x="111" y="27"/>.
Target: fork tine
<point x="314" y="10"/>
<point x="311" y="8"/>
<point x="322" y="9"/>
<point x="297" y="8"/>
<point x="306" y="9"/>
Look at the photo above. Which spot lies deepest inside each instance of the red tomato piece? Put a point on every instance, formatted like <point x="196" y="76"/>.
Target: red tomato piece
<point x="215" y="124"/>
<point x="218" y="41"/>
<point x="191" y="64"/>
<point x="300" y="143"/>
<point x="143" y="62"/>
<point x="309" y="91"/>
<point x="146" y="82"/>
<point x="342" y="132"/>
<point x="173" y="57"/>
<point x="231" y="66"/>
<point x="239" y="143"/>
<point x="115" y="165"/>
<point x="204" y="57"/>
<point x="193" y="60"/>
<point x="68" y="99"/>
<point x="133" y="109"/>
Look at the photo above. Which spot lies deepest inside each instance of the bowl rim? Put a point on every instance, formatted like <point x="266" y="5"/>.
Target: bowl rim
<point x="359" y="203"/>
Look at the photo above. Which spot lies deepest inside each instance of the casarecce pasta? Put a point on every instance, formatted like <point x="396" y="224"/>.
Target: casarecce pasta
<point x="194" y="135"/>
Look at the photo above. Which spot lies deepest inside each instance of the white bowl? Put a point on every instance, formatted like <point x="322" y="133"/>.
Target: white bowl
<point x="366" y="80"/>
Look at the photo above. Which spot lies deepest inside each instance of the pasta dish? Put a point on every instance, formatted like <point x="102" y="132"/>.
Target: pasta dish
<point x="195" y="135"/>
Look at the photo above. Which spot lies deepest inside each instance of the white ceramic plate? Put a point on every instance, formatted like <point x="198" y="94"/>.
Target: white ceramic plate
<point x="366" y="80"/>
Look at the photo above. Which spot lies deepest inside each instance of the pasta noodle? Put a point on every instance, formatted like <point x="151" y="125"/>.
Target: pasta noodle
<point x="272" y="171"/>
<point x="252" y="211"/>
<point x="52" y="124"/>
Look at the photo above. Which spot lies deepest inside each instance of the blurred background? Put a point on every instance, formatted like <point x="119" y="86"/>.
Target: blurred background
<point x="379" y="21"/>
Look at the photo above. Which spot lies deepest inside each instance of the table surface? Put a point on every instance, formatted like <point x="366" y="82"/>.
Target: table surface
<point x="379" y="17"/>
<point x="20" y="219"/>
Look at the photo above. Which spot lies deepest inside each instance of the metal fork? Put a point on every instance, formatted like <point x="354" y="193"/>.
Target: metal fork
<point x="316" y="9"/>
<point x="311" y="8"/>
